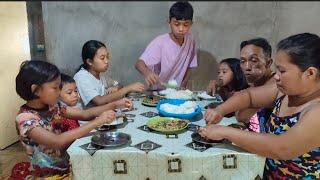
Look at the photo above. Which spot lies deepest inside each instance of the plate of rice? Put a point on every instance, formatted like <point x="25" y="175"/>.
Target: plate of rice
<point x="178" y="108"/>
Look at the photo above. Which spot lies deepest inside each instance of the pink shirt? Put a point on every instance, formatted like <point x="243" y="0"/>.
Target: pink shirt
<point x="254" y="123"/>
<point x="163" y="51"/>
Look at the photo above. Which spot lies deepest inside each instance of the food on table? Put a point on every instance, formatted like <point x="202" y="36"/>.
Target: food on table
<point x="204" y="95"/>
<point x="239" y="125"/>
<point x="151" y="100"/>
<point x="168" y="125"/>
<point x="167" y="91"/>
<point x="196" y="137"/>
<point x="187" y="107"/>
<point x="170" y="93"/>
<point x="172" y="83"/>
<point x="117" y="121"/>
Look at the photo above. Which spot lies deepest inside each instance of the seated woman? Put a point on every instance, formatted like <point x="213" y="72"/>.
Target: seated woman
<point x="291" y="142"/>
<point x="230" y="80"/>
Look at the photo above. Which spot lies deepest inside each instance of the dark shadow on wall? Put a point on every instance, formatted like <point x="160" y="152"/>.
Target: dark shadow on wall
<point x="207" y="70"/>
<point x="36" y="30"/>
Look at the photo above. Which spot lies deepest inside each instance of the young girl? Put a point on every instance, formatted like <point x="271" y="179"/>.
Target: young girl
<point x="38" y="83"/>
<point x="230" y="79"/>
<point x="291" y="143"/>
<point x="95" y="58"/>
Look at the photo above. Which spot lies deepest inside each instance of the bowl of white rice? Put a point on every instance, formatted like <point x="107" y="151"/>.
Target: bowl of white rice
<point x="178" y="108"/>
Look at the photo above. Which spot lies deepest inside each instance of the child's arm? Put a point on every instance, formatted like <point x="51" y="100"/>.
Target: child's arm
<point x="150" y="77"/>
<point x="112" y="89"/>
<point x="211" y="89"/>
<point x="61" y="141"/>
<point x="101" y="100"/>
<point x="90" y="113"/>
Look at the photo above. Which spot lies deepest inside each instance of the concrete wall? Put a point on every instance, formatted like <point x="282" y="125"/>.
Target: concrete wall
<point x="127" y="28"/>
<point x="14" y="49"/>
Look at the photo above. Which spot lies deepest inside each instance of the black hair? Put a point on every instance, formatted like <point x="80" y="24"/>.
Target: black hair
<point x="260" y="42"/>
<point x="304" y="50"/>
<point x="239" y="81"/>
<point x="89" y="50"/>
<point x="65" y="79"/>
<point x="34" y="72"/>
<point x="181" y="10"/>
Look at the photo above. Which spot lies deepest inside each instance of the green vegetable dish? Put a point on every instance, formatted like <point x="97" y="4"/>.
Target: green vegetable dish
<point x="167" y="125"/>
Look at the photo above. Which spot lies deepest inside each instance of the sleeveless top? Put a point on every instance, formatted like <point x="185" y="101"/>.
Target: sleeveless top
<point x="306" y="166"/>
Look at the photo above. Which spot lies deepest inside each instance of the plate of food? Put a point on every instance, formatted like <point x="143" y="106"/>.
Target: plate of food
<point x="119" y="120"/>
<point x="151" y="101"/>
<point x="178" y="108"/>
<point x="239" y="125"/>
<point x="197" y="138"/>
<point x="167" y="125"/>
<point x="170" y="93"/>
<point x="205" y="96"/>
<point x="135" y="95"/>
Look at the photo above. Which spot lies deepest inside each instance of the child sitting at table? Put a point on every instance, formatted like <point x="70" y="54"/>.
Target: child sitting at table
<point x="38" y="82"/>
<point x="69" y="96"/>
<point x="92" y="91"/>
<point x="230" y="79"/>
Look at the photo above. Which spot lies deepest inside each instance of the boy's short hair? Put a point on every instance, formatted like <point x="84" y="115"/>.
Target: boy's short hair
<point x="181" y="10"/>
<point x="34" y="72"/>
<point x="66" y="79"/>
<point x="260" y="42"/>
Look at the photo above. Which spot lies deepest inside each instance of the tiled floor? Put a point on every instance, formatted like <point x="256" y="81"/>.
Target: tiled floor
<point x="9" y="157"/>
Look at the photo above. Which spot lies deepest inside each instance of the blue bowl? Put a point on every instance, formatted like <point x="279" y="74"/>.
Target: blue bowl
<point x="177" y="102"/>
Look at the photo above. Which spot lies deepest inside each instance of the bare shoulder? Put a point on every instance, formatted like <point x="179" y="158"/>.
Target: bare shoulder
<point x="310" y="114"/>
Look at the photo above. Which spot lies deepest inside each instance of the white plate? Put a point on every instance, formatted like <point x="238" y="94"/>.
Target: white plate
<point x="206" y="96"/>
<point x="117" y="121"/>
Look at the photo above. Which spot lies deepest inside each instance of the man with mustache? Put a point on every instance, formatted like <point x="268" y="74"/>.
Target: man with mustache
<point x="255" y="56"/>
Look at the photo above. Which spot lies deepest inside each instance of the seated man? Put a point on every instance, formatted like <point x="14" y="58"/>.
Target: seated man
<point x="255" y="56"/>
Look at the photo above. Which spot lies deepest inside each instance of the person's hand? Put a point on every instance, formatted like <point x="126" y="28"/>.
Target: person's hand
<point x="136" y="87"/>
<point x="151" y="79"/>
<point x="106" y="117"/>
<point x="213" y="132"/>
<point x="124" y="103"/>
<point x="112" y="89"/>
<point x="213" y="116"/>
<point x="211" y="89"/>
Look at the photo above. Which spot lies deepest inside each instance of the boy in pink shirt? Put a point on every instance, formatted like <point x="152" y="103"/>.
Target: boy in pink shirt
<point x="172" y="55"/>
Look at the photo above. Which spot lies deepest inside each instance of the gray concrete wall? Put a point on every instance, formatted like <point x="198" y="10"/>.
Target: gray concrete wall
<point x="127" y="28"/>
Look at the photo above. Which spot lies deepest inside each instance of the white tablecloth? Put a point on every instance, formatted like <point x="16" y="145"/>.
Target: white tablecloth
<point x="173" y="160"/>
